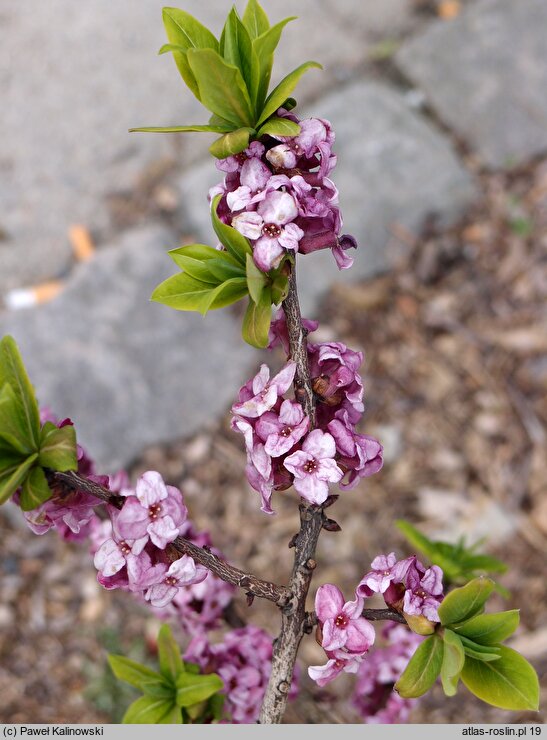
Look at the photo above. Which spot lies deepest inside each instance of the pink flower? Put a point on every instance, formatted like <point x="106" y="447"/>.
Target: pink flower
<point x="342" y="625"/>
<point x="324" y="674"/>
<point x="118" y="567"/>
<point x="263" y="393"/>
<point x="254" y="177"/>
<point x="271" y="228"/>
<point x="183" y="572"/>
<point x="155" y="511"/>
<point x="378" y="579"/>
<point x="281" y="433"/>
<point x="314" y="466"/>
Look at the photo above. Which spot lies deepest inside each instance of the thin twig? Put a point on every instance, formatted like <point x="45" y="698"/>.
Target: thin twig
<point x="373" y="615"/>
<point x="280" y="595"/>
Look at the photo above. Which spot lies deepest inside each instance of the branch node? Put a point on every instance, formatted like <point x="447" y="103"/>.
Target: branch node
<point x="310" y="564"/>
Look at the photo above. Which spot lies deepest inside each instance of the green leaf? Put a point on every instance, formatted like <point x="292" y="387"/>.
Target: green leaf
<point x="231" y="143"/>
<point x="257" y="320"/>
<point x="192" y="689"/>
<point x="13" y="476"/>
<point x="284" y="89"/>
<point x="256" y="280"/>
<point x="133" y="673"/>
<point x="237" y="49"/>
<point x="480" y="652"/>
<point x="13" y="428"/>
<point x="13" y="371"/>
<point x="463" y="603"/>
<point x="58" y="448"/>
<point x="185" y="293"/>
<point x="264" y="47"/>
<point x="453" y="660"/>
<point x="236" y="244"/>
<point x="459" y="563"/>
<point x="150" y="710"/>
<point x="223" y="270"/>
<point x="221" y="86"/>
<point x="490" y="629"/>
<point x="197" y="269"/>
<point x="423" y="669"/>
<point x="184" y="31"/>
<point x="183" y="129"/>
<point x="508" y="683"/>
<point x="279" y="127"/>
<point x="255" y="19"/>
<point x="35" y="490"/>
<point x="171" y="664"/>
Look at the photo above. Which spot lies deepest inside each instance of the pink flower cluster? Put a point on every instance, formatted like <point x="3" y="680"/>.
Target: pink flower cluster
<point x="373" y="696"/>
<point x="281" y="450"/>
<point x="407" y="585"/>
<point x="342" y="632"/>
<point x="133" y="557"/>
<point x="280" y="196"/>
<point x="243" y="661"/>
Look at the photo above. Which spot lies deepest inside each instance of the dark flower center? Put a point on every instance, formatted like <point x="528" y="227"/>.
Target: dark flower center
<point x="271" y="230"/>
<point x="285" y="432"/>
<point x="124" y="547"/>
<point x="310" y="466"/>
<point x="170" y="581"/>
<point x="342" y="621"/>
<point x="154" y="511"/>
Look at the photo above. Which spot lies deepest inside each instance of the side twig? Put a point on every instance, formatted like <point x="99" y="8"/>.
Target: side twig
<point x="252" y="585"/>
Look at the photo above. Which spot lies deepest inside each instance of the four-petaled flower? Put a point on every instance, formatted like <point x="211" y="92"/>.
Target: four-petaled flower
<point x="314" y="466"/>
<point x="183" y="572"/>
<point x="342" y="625"/>
<point x="282" y="432"/>
<point x="154" y="511"/>
<point x="263" y="394"/>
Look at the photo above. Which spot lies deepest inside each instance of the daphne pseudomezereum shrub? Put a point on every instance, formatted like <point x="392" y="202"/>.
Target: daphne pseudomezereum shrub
<point x="302" y="429"/>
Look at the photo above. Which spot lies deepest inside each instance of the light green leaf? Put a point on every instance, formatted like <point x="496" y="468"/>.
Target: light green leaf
<point x="231" y="143"/>
<point x="35" y="490"/>
<point x="480" y="652"/>
<point x="58" y="448"/>
<point x="264" y="47"/>
<point x="508" y="683"/>
<point x="279" y="127"/>
<point x="185" y="293"/>
<point x="192" y="689"/>
<point x="256" y="280"/>
<point x="13" y="427"/>
<point x="255" y="19"/>
<point x="490" y="629"/>
<point x="197" y="128"/>
<point x="223" y="270"/>
<point x="463" y="603"/>
<point x="257" y="320"/>
<point x="13" y="371"/>
<point x="422" y="670"/>
<point x="203" y="252"/>
<point x="237" y="49"/>
<point x="184" y="31"/>
<point x="197" y="269"/>
<point x="453" y="660"/>
<point x="221" y="86"/>
<point x="150" y="710"/>
<point x="236" y="244"/>
<point x="12" y="477"/>
<point x="284" y="89"/>
<point x="171" y="664"/>
<point x="134" y="673"/>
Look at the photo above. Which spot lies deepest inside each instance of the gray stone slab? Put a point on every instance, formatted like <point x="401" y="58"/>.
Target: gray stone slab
<point x="129" y="372"/>
<point x="393" y="168"/>
<point x="75" y="76"/>
<point x="485" y="74"/>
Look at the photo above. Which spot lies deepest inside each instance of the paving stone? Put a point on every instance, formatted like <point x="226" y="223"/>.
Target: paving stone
<point x="393" y="168"/>
<point x="485" y="73"/>
<point x="129" y="372"/>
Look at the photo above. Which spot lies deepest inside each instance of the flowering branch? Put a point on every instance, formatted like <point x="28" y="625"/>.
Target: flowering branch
<point x="312" y="519"/>
<point x="253" y="585"/>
